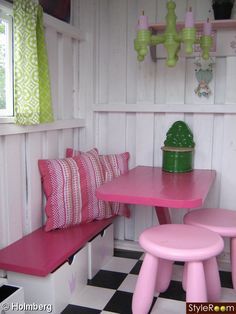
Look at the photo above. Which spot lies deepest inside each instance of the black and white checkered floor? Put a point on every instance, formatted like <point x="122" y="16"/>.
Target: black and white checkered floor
<point x="111" y="290"/>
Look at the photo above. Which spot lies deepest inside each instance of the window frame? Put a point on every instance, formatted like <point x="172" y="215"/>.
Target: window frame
<point x="6" y="13"/>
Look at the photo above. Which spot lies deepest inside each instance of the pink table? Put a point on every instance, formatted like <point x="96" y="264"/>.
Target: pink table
<point x="151" y="186"/>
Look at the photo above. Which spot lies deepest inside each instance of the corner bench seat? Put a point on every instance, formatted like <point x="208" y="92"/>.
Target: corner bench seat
<point x="40" y="253"/>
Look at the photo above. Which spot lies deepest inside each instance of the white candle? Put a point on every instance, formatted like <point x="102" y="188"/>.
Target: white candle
<point x="207" y="27"/>
<point x="143" y="22"/>
<point x="189" y="21"/>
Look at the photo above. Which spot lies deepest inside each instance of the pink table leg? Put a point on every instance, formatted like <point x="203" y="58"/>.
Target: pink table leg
<point x="163" y="215"/>
<point x="233" y="260"/>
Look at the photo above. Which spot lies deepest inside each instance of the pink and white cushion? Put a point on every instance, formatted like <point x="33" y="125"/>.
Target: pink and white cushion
<point x="113" y="166"/>
<point x="69" y="185"/>
<point x="92" y="176"/>
<point x="61" y="185"/>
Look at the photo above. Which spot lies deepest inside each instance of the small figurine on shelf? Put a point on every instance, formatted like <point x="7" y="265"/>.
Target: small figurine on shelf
<point x="203" y="89"/>
<point x="204" y="74"/>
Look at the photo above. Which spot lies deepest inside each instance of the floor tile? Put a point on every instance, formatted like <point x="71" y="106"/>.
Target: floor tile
<point x="107" y="279"/>
<point x="177" y="272"/>
<point x="127" y="254"/>
<point x="129" y="283"/>
<point x="226" y="279"/>
<point x="228" y="295"/>
<point x="93" y="297"/>
<point x="120" y="303"/>
<point x="224" y="266"/>
<point x="120" y="264"/>
<point x="175" y="292"/>
<point x="164" y="306"/>
<point x="135" y="270"/>
<point x="106" y="312"/>
<point x="75" y="309"/>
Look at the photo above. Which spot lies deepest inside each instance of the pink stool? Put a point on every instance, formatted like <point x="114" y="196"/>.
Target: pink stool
<point x="167" y="243"/>
<point x="222" y="221"/>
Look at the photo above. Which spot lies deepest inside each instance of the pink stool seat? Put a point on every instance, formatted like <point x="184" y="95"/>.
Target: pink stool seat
<point x="221" y="221"/>
<point x="187" y="244"/>
<point x="163" y="245"/>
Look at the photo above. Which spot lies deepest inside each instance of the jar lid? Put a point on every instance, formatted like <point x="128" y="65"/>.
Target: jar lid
<point x="180" y="136"/>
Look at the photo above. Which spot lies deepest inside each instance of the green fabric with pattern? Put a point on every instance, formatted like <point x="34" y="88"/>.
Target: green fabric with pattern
<point x="32" y="93"/>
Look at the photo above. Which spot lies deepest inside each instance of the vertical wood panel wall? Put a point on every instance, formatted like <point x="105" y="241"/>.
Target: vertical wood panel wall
<point x="126" y="91"/>
<point x="21" y="201"/>
<point x="100" y="80"/>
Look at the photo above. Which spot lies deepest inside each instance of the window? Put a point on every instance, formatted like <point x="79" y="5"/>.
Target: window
<point x="6" y="68"/>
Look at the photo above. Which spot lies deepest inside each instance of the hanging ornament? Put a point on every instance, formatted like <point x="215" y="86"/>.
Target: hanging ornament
<point x="204" y="74"/>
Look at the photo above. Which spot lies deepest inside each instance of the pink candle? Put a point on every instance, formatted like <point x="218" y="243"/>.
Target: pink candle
<point x="143" y="22"/>
<point x="189" y="21"/>
<point x="207" y="27"/>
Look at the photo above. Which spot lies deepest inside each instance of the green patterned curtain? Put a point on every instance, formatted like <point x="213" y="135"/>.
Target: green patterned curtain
<point x="32" y="95"/>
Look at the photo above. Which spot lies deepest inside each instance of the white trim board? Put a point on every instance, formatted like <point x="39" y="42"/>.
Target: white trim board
<point x="165" y="108"/>
<point x="7" y="129"/>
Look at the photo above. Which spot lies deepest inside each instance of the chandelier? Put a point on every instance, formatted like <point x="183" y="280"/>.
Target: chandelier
<point x="171" y="38"/>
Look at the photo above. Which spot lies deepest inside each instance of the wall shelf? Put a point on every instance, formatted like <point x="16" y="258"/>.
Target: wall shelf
<point x="216" y="24"/>
<point x="167" y="108"/>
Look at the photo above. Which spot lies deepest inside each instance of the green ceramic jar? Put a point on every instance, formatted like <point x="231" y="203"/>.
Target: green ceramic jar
<point x="179" y="148"/>
<point x="177" y="159"/>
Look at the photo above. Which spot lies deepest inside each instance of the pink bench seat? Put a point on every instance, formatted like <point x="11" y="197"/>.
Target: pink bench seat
<point x="40" y="253"/>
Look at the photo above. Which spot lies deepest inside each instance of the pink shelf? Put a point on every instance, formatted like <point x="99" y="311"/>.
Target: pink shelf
<point x="216" y="24"/>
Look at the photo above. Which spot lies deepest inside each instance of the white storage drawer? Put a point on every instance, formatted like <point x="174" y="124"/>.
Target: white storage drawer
<point x="57" y="288"/>
<point x="100" y="250"/>
<point x="11" y="299"/>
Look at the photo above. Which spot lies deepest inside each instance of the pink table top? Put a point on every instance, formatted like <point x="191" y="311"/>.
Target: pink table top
<point x="151" y="186"/>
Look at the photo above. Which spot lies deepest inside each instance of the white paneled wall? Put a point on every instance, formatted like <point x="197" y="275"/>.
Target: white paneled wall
<point x="125" y="106"/>
<point x="136" y="103"/>
<point x="21" y="201"/>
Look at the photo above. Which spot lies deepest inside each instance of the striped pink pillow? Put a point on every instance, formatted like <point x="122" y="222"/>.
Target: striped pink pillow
<point x="113" y="166"/>
<point x="69" y="185"/>
<point x="90" y="167"/>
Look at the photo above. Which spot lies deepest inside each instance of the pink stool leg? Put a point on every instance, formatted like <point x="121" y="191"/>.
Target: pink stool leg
<point x="164" y="274"/>
<point x="233" y="260"/>
<point x="163" y="215"/>
<point x="145" y="286"/>
<point x="212" y="280"/>
<point x="195" y="283"/>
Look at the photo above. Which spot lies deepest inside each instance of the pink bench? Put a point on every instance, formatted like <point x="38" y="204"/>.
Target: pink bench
<point x="53" y="267"/>
<point x="40" y="253"/>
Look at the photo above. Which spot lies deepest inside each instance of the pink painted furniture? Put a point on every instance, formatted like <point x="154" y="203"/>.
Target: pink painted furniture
<point x="167" y="243"/>
<point x="151" y="186"/>
<point x="222" y="221"/>
<point x="40" y="253"/>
